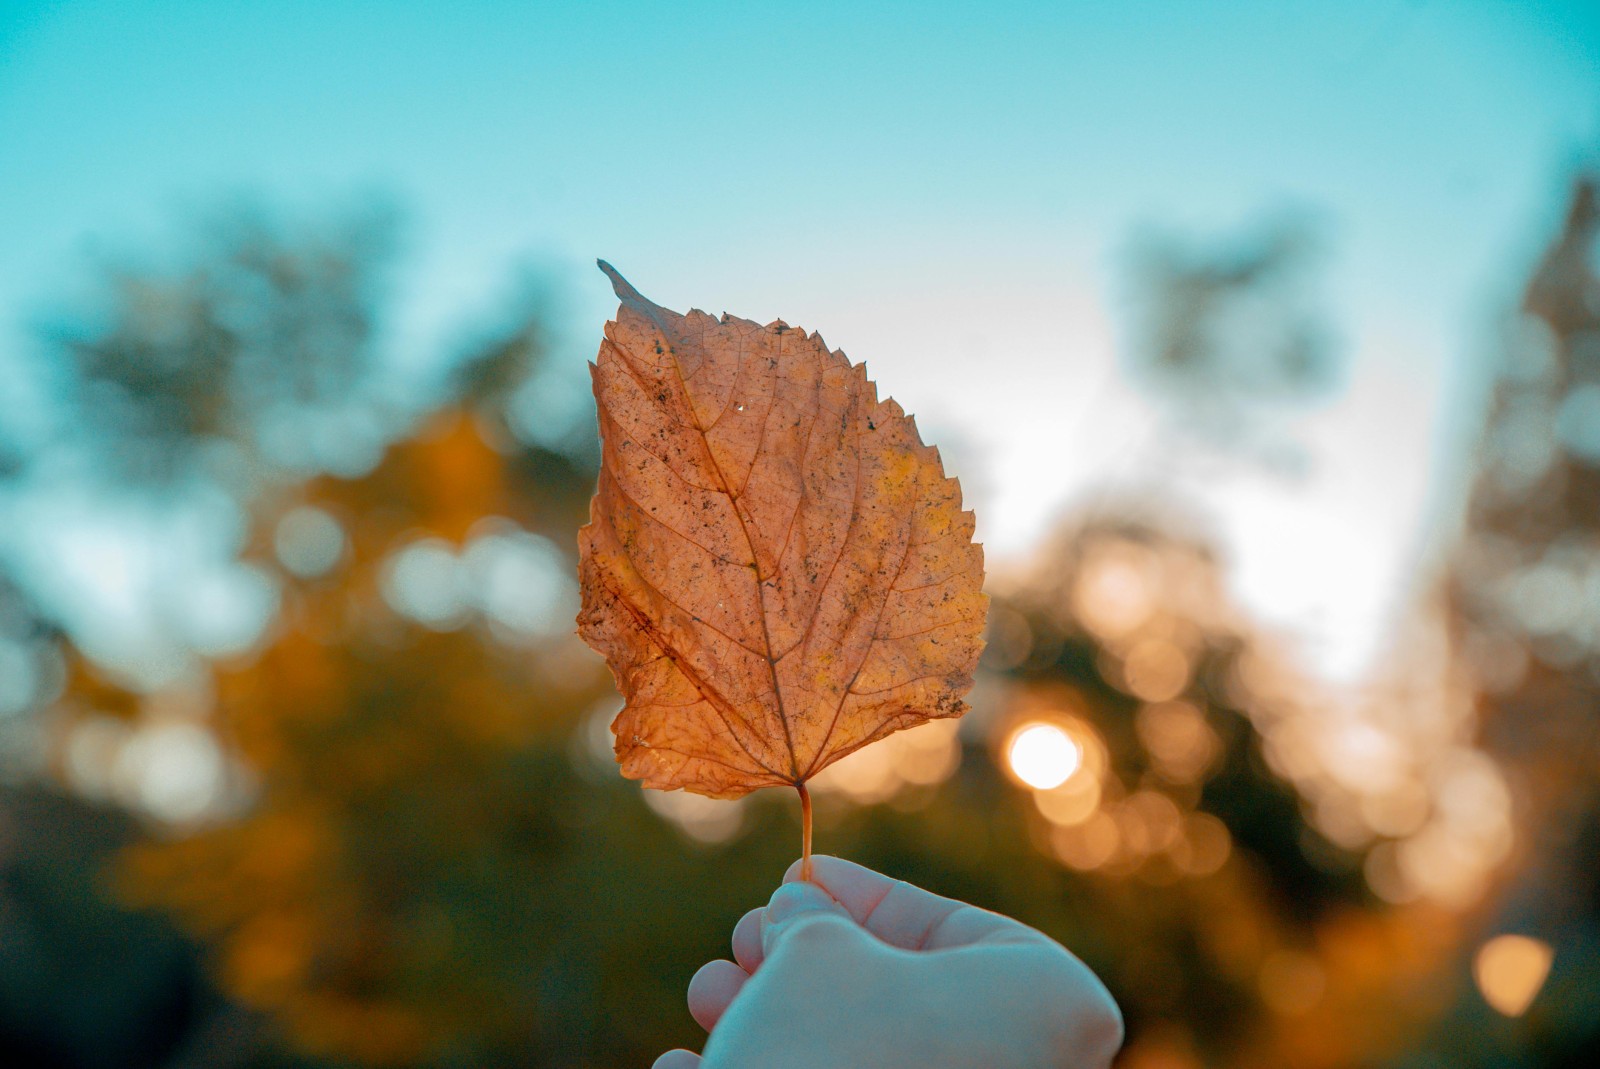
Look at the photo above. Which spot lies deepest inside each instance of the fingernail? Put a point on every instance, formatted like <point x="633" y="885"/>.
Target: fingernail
<point x="795" y="898"/>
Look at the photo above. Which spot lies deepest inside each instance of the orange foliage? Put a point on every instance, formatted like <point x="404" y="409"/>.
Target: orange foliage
<point x="384" y="753"/>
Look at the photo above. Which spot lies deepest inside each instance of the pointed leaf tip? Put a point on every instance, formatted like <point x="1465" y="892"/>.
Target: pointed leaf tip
<point x="619" y="285"/>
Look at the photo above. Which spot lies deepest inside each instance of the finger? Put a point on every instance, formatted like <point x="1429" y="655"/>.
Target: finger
<point x="857" y="887"/>
<point x="747" y="940"/>
<point x="712" y="988"/>
<point x="795" y="905"/>
<point x="903" y="914"/>
<point x="677" y="1059"/>
<point x="897" y="912"/>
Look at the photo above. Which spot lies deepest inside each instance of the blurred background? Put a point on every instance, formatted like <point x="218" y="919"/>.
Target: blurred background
<point x="1264" y="338"/>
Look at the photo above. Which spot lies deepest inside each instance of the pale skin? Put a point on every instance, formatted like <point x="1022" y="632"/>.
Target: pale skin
<point x="856" y="969"/>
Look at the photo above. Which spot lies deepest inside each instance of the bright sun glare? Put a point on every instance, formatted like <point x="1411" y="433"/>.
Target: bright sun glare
<point x="1043" y="756"/>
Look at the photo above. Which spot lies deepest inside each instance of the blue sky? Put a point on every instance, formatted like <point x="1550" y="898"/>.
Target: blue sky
<point x="946" y="191"/>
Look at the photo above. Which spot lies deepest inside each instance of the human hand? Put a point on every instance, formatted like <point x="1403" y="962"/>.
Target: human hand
<point x="856" y="970"/>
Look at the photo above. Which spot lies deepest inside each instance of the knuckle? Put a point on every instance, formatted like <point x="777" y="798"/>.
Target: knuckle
<point x="817" y="932"/>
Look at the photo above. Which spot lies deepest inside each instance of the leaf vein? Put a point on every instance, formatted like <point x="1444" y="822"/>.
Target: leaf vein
<point x="664" y="525"/>
<point x="713" y="697"/>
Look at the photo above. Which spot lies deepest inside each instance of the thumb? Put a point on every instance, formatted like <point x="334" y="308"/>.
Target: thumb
<point x="795" y="906"/>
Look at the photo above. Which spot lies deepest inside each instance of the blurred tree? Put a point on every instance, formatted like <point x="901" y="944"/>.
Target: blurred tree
<point x="1524" y="602"/>
<point x="32" y="674"/>
<point x="83" y="983"/>
<point x="260" y="349"/>
<point x="392" y="818"/>
<point x="1233" y="929"/>
<point x="1227" y="331"/>
<point x="373" y="815"/>
<point x="32" y="668"/>
<point x="404" y="841"/>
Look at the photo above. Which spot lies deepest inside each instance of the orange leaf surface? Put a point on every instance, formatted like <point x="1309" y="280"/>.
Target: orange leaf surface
<point x="775" y="568"/>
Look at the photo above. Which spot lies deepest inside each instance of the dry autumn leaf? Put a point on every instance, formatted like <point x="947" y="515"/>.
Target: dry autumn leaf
<point x="776" y="569"/>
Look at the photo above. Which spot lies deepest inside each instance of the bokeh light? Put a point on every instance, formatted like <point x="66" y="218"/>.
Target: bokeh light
<point x="422" y="580"/>
<point x="176" y="771"/>
<point x="923" y="756"/>
<point x="1181" y="744"/>
<point x="1043" y="756"/>
<point x="1156" y="670"/>
<point x="1510" y="970"/>
<point x="309" y="541"/>
<point x="704" y="820"/>
<point x="1070" y="802"/>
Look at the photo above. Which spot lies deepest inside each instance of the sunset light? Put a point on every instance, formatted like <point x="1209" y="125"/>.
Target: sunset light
<point x="1043" y="756"/>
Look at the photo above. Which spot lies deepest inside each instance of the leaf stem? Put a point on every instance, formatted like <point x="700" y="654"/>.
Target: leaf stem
<point x="805" y="831"/>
